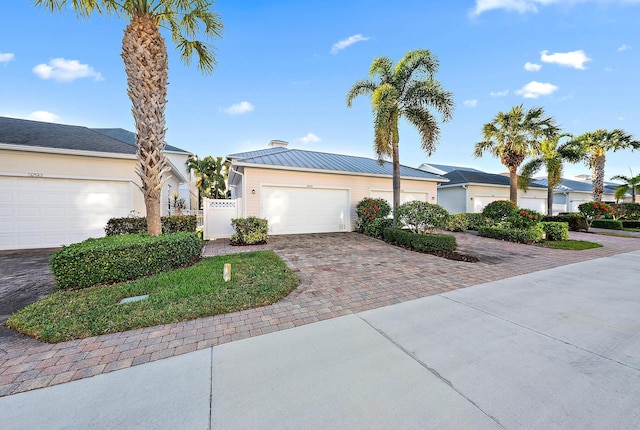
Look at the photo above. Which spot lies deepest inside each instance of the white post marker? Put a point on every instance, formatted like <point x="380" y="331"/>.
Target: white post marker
<point x="227" y="272"/>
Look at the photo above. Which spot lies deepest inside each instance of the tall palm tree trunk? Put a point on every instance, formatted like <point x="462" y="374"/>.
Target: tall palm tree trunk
<point x="549" y="198"/>
<point x="513" y="184"/>
<point x="597" y="166"/>
<point x="145" y="59"/>
<point x="396" y="180"/>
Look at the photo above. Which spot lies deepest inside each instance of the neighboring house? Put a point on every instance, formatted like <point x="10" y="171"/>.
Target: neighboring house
<point x="571" y="193"/>
<point x="301" y="191"/>
<point x="470" y="190"/>
<point x="60" y="184"/>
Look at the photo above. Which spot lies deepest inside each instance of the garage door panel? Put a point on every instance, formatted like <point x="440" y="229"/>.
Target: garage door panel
<point x="405" y="196"/>
<point x="292" y="210"/>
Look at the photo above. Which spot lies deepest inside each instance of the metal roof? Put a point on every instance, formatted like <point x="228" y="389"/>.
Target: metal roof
<point x="447" y="168"/>
<point x="569" y="185"/>
<point x="461" y="177"/>
<point x="311" y="160"/>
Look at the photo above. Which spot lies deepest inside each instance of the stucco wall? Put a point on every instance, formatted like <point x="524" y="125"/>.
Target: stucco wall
<point x="358" y="186"/>
<point x="453" y="199"/>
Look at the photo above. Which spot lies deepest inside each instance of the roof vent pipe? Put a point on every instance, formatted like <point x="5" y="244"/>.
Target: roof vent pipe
<point x="278" y="144"/>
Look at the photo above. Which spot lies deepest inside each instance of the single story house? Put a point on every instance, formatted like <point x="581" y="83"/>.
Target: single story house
<point x="470" y="190"/>
<point x="60" y="184"/>
<point x="301" y="191"/>
<point x="572" y="193"/>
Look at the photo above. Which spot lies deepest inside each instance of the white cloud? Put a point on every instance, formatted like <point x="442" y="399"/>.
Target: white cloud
<point x="575" y="59"/>
<point x="309" y="138"/>
<point x="6" y="57"/>
<point x="348" y="42"/>
<point x="63" y="70"/>
<point x="499" y="93"/>
<point x="470" y="103"/>
<point x="623" y="47"/>
<point x="43" y="115"/>
<point x="239" y="108"/>
<point x="532" y="67"/>
<point x="524" y="6"/>
<point x="535" y="89"/>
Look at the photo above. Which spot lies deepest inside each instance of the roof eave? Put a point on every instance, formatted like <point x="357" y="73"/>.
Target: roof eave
<point x="64" y="151"/>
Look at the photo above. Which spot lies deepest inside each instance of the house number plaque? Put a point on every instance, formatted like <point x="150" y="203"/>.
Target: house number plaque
<point x="35" y="175"/>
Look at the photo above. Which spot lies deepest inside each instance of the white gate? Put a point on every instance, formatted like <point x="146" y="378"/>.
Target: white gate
<point x="218" y="214"/>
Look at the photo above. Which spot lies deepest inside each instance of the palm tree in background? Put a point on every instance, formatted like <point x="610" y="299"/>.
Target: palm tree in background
<point x="407" y="90"/>
<point x="630" y="184"/>
<point x="211" y="176"/>
<point x="146" y="62"/>
<point x="551" y="156"/>
<point x="513" y="136"/>
<point x="594" y="145"/>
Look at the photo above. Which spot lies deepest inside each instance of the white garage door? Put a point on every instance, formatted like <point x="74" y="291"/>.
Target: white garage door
<point x="293" y="210"/>
<point x="47" y="213"/>
<point x="480" y="202"/>
<point x="405" y="196"/>
<point x="539" y="205"/>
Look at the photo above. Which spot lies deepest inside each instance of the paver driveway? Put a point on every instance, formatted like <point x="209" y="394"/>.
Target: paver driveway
<point x="340" y="274"/>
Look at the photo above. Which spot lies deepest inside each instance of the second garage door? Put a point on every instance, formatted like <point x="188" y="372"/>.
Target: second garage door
<point x="294" y="210"/>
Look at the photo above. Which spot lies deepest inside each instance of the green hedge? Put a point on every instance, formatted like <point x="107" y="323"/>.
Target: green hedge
<point x="612" y="224"/>
<point x="457" y="222"/>
<point x="250" y="231"/>
<point x="630" y="224"/>
<point x="134" y="225"/>
<point x="375" y="227"/>
<point x="530" y="235"/>
<point x="555" y="231"/>
<point x="575" y="222"/>
<point x="119" y="258"/>
<point x="476" y="220"/>
<point x="421" y="242"/>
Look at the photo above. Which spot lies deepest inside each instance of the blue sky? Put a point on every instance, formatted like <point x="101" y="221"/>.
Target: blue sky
<point x="284" y="68"/>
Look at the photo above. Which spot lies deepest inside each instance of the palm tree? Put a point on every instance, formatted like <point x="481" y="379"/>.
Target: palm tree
<point x="594" y="145"/>
<point x="513" y="136"/>
<point x="407" y="90"/>
<point x="551" y="156"/>
<point x="211" y="176"/>
<point x="631" y="184"/>
<point x="145" y="58"/>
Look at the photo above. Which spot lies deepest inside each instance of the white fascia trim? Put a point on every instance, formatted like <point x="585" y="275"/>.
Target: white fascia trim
<point x="176" y="173"/>
<point x="72" y="177"/>
<point x="335" y="172"/>
<point x="59" y="151"/>
<point x="466" y="184"/>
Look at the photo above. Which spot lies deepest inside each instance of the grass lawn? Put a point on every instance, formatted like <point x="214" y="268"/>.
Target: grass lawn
<point x="575" y="245"/>
<point x="258" y="278"/>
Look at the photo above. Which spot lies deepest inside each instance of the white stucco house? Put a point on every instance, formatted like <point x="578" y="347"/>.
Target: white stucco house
<point x="60" y="184"/>
<point x="572" y="193"/>
<point x="301" y="191"/>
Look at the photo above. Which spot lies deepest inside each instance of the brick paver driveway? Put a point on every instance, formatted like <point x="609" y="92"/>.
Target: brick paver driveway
<point x="339" y="274"/>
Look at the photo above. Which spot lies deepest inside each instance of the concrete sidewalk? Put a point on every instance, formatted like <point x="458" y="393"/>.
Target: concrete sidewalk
<point x="558" y="348"/>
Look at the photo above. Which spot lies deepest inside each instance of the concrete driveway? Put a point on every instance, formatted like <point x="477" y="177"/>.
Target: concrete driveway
<point x="557" y="348"/>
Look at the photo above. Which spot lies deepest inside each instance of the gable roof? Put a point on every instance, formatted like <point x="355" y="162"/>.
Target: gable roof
<point x="38" y="134"/>
<point x="465" y="177"/>
<point x="298" y="159"/>
<point x="570" y="185"/>
<point x="441" y="169"/>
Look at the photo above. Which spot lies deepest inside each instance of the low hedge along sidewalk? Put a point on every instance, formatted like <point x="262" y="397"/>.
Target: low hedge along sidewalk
<point x="421" y="242"/>
<point x="120" y="258"/>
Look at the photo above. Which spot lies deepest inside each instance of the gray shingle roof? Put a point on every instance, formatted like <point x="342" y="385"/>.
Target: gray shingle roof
<point x="301" y="159"/>
<point x="459" y="177"/>
<point x="62" y="136"/>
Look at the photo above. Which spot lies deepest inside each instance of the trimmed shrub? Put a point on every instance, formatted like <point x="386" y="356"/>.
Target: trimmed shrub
<point x="119" y="258"/>
<point x="250" y="231"/>
<point x="476" y="220"/>
<point x="499" y="210"/>
<point x="422" y="217"/>
<point x="456" y="222"/>
<point x="555" y="231"/>
<point x="596" y="210"/>
<point x="375" y="228"/>
<point x="630" y="224"/>
<point x="421" y="242"/>
<point x="369" y="209"/>
<point x="612" y="224"/>
<point x="530" y="235"/>
<point x="135" y="225"/>
<point x="627" y="211"/>
<point x="576" y="222"/>
<point x="524" y="218"/>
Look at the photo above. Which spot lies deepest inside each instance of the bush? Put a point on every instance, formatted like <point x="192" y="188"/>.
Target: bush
<point x="499" y="210"/>
<point x="576" y="222"/>
<point x="456" y="222"/>
<point x="627" y="211"/>
<point x="369" y="209"/>
<point x="422" y="217"/>
<point x="420" y="242"/>
<point x="120" y="258"/>
<point x="596" y="210"/>
<point x="375" y="228"/>
<point x="135" y="225"/>
<point x="555" y="231"/>
<point x="630" y="224"/>
<point x="250" y="231"/>
<point x="476" y="220"/>
<point x="612" y="224"/>
<point x="524" y="218"/>
<point x="530" y="235"/>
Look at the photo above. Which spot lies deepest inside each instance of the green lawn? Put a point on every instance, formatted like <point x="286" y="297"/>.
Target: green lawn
<point x="575" y="245"/>
<point x="258" y="278"/>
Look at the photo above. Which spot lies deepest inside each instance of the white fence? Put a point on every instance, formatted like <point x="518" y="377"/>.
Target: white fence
<point x="217" y="216"/>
